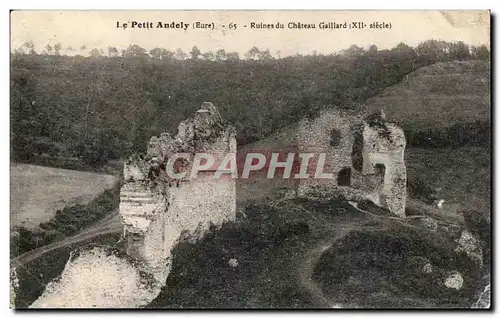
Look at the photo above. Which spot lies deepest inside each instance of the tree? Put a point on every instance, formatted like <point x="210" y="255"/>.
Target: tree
<point x="95" y="52"/>
<point x="401" y="46"/>
<point x="156" y="53"/>
<point x="19" y="50"/>
<point x="253" y="53"/>
<point x="112" y="51"/>
<point x="432" y="49"/>
<point x="166" y="55"/>
<point x="135" y="51"/>
<point x="220" y="55"/>
<point x="480" y="52"/>
<point x="265" y="55"/>
<point x="195" y="53"/>
<point x="180" y="55"/>
<point x="30" y="47"/>
<point x="232" y="56"/>
<point x="459" y="51"/>
<point x="83" y="48"/>
<point x="372" y="49"/>
<point x="209" y="56"/>
<point x="159" y="53"/>
<point x="354" y="50"/>
<point x="48" y="49"/>
<point x="57" y="48"/>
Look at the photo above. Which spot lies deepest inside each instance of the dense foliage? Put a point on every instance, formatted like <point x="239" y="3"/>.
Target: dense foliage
<point x="104" y="107"/>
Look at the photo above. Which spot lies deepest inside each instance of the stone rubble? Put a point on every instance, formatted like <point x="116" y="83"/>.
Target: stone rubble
<point x="454" y="280"/>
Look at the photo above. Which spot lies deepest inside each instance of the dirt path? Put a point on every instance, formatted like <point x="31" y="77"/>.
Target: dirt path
<point x="110" y="224"/>
<point x="305" y="269"/>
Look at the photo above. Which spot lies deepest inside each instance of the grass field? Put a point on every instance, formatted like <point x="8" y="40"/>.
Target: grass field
<point x="438" y="95"/>
<point x="462" y="176"/>
<point x="37" y="192"/>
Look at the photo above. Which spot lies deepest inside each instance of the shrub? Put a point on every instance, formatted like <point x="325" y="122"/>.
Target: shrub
<point x="418" y="188"/>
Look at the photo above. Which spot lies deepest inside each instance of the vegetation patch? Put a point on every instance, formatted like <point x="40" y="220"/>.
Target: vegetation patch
<point x="67" y="222"/>
<point x="477" y="133"/>
<point x="398" y="267"/>
<point x="108" y="118"/>
<point x="460" y="176"/>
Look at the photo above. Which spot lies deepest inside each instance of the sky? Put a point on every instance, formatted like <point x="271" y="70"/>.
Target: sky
<point x="98" y="29"/>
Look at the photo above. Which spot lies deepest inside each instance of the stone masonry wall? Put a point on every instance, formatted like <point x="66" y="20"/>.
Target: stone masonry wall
<point x="157" y="209"/>
<point x="385" y="146"/>
<point x="330" y="133"/>
<point x="381" y="176"/>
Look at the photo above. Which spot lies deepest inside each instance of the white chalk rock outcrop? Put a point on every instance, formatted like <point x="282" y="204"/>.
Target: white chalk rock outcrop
<point x="471" y="245"/>
<point x="99" y="278"/>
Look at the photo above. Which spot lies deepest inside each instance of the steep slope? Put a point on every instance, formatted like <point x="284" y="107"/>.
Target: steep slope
<point x="438" y="96"/>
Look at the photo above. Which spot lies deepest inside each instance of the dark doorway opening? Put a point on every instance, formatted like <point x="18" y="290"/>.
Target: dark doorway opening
<point x="344" y="177"/>
<point x="335" y="138"/>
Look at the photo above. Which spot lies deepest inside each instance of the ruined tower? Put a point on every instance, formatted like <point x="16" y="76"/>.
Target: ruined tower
<point x="364" y="156"/>
<point x="384" y="169"/>
<point x="156" y="209"/>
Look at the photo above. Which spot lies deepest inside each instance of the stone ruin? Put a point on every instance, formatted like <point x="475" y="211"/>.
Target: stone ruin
<point x="365" y="156"/>
<point x="157" y="212"/>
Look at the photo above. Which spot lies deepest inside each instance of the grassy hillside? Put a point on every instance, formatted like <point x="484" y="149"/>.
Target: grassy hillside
<point x="438" y="96"/>
<point x="38" y="192"/>
<point x="462" y="176"/>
